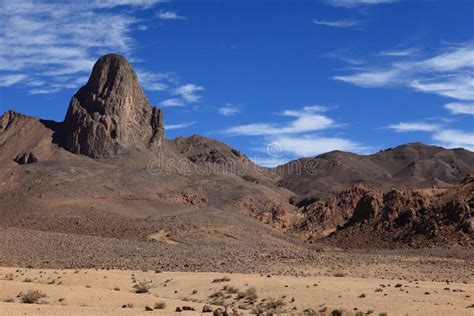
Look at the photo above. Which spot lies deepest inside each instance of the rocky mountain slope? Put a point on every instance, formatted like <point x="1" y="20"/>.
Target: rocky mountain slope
<point x="106" y="176"/>
<point x="362" y="216"/>
<point x="412" y="165"/>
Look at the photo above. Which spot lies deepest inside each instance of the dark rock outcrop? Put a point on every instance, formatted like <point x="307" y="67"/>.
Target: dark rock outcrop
<point x="7" y="118"/>
<point x="362" y="217"/>
<point x="111" y="112"/>
<point x="26" y="158"/>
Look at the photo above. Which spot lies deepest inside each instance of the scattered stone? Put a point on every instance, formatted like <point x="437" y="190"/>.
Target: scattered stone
<point x="207" y="309"/>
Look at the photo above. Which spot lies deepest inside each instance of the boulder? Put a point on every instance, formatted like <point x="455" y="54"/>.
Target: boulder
<point x="207" y="309"/>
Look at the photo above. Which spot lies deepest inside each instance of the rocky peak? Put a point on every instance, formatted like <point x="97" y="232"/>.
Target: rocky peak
<point x="7" y="119"/>
<point x="111" y="112"/>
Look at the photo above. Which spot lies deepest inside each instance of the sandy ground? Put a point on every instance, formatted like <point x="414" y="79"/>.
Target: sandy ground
<point x="98" y="292"/>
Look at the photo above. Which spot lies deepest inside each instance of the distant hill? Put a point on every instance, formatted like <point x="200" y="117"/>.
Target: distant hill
<point x="412" y="165"/>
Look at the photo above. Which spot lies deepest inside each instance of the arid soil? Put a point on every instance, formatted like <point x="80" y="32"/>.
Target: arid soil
<point x="98" y="292"/>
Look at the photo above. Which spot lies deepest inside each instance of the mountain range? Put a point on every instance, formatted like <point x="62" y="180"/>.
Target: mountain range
<point x="108" y="173"/>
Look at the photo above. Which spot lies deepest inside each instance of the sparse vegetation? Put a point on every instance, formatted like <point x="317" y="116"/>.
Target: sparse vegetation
<point x="230" y="289"/>
<point x="142" y="287"/>
<point x="269" y="306"/>
<point x="223" y="279"/>
<point x="217" y="298"/>
<point x="32" y="297"/>
<point x="339" y="274"/>
<point x="337" y="312"/>
<point x="251" y="294"/>
<point x="160" y="305"/>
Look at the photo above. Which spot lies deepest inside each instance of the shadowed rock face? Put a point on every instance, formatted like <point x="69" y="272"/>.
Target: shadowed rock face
<point x="422" y="217"/>
<point x="111" y="112"/>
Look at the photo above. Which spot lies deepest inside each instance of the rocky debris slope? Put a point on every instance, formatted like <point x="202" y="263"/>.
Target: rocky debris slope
<point x="364" y="217"/>
<point x="412" y="165"/>
<point x="26" y="140"/>
<point x="111" y="112"/>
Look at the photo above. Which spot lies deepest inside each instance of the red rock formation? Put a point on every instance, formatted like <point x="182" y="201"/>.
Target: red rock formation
<point x="361" y="216"/>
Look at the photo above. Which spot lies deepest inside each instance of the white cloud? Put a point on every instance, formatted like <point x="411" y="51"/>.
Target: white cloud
<point x="116" y="3"/>
<point x="459" y="87"/>
<point x="354" y="3"/>
<point x="172" y="102"/>
<point x="179" y="126"/>
<point x="169" y="15"/>
<point x="399" y="53"/>
<point x="54" y="42"/>
<point x="337" y="23"/>
<point x="308" y="145"/>
<point x="449" y="138"/>
<point x="269" y="162"/>
<point x="460" y="108"/>
<point x="155" y="81"/>
<point x="8" y="80"/>
<point x="456" y="59"/>
<point x="43" y="91"/>
<point x="448" y="74"/>
<point x="296" y="137"/>
<point x="229" y="110"/>
<point x="455" y="139"/>
<point x="188" y="92"/>
<point x="306" y="110"/>
<point x="414" y="127"/>
<point x="305" y="122"/>
<point x="370" y="79"/>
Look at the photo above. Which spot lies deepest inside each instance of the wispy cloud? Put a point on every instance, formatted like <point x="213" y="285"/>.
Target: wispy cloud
<point x="456" y="86"/>
<point x="355" y="3"/>
<point x="312" y="145"/>
<point x="302" y="135"/>
<point x="155" y="81"/>
<point x="54" y="42"/>
<point x="229" y="110"/>
<point x="169" y="15"/>
<point x="448" y="74"/>
<point x="399" y="53"/>
<point x="451" y="138"/>
<point x="306" y="121"/>
<point x="372" y="78"/>
<point x="8" y="80"/>
<point x="189" y="92"/>
<point x="172" y="102"/>
<point x="414" y="127"/>
<point x="439" y="133"/>
<point x="179" y="126"/>
<point x="337" y="23"/>
<point x="269" y="162"/>
<point x="460" y="108"/>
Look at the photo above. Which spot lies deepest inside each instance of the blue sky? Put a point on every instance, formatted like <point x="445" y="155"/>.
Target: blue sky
<point x="275" y="79"/>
